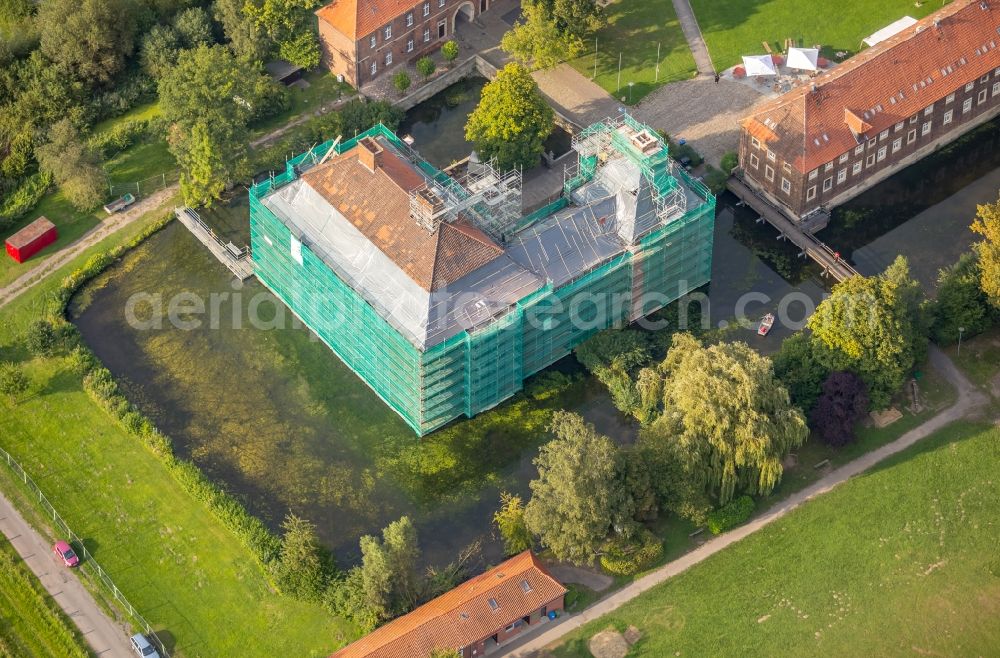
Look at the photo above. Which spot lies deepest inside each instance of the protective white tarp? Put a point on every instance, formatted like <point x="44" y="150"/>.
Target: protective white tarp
<point x="890" y="30"/>
<point x="803" y="59"/>
<point x="758" y="65"/>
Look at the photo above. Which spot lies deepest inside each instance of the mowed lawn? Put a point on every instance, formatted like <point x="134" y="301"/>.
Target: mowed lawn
<point x="635" y="28"/>
<point x="733" y="28"/>
<point x="181" y="569"/>
<point x="31" y="624"/>
<point x="903" y="560"/>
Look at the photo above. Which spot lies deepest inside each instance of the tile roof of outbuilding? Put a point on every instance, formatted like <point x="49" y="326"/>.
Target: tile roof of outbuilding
<point x="464" y="615"/>
<point x="885" y="84"/>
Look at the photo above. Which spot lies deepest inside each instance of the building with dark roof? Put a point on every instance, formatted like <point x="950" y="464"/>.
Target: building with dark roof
<point x="476" y="616"/>
<point x="440" y="294"/>
<point x="362" y="39"/>
<point x="823" y="143"/>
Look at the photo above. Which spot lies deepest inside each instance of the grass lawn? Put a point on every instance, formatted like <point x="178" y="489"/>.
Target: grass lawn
<point x="181" y="569"/>
<point x="31" y="624"/>
<point x="323" y="88"/>
<point x="144" y="112"/>
<point x="979" y="358"/>
<point x="634" y="29"/>
<point x="733" y="28"/>
<point x="899" y="561"/>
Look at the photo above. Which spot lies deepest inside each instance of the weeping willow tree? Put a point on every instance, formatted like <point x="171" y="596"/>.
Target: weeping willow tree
<point x="723" y="414"/>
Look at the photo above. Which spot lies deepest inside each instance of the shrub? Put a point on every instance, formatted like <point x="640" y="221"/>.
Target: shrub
<point x="625" y="558"/>
<point x="13" y="381"/>
<point x="715" y="179"/>
<point x="82" y="360"/>
<point x="401" y="81"/>
<point x="25" y="197"/>
<point x="449" y="51"/>
<point x="729" y="162"/>
<point x="119" y="137"/>
<point x="730" y="515"/>
<point x="40" y="338"/>
<point x="426" y="67"/>
<point x="303" y="567"/>
<point x="840" y="406"/>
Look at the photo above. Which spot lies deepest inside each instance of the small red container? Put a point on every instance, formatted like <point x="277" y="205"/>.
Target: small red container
<point x="31" y="239"/>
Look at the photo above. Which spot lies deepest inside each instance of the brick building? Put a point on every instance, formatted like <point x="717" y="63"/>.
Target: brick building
<point x="472" y="618"/>
<point x="826" y="142"/>
<point x="362" y="39"/>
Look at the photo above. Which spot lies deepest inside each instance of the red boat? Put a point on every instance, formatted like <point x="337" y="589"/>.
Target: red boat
<point x="765" y="324"/>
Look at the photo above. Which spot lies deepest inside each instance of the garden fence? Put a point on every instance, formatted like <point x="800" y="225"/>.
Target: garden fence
<point x="147" y="186"/>
<point x="87" y="561"/>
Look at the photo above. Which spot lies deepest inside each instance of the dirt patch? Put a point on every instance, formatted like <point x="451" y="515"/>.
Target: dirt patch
<point x="885" y="418"/>
<point x="568" y="573"/>
<point x="608" y="644"/>
<point x="632" y="635"/>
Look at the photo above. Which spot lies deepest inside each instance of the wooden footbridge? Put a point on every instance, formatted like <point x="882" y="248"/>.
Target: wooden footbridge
<point x="799" y="234"/>
<point x="237" y="259"/>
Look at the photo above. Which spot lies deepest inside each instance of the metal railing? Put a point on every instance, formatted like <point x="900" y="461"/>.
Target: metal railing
<point x="87" y="561"/>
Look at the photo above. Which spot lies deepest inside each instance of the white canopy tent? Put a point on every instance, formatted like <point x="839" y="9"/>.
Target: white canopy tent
<point x="804" y="59"/>
<point x="890" y="30"/>
<point x="759" y="65"/>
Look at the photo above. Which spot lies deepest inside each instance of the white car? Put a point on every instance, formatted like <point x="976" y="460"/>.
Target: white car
<point x="143" y="647"/>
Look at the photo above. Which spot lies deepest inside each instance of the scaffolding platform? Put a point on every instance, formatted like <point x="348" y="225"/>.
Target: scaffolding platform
<point x="236" y="259"/>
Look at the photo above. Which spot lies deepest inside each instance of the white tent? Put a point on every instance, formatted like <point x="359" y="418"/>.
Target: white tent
<point x="890" y="30"/>
<point x="758" y="65"/>
<point x="802" y="58"/>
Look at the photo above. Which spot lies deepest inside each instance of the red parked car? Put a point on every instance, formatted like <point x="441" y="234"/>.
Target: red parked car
<point x="65" y="553"/>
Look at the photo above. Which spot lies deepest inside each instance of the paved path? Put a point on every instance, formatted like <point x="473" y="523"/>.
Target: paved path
<point x="969" y="399"/>
<point x="107" y="227"/>
<point x="104" y="636"/>
<point x="692" y="32"/>
<point x="575" y="96"/>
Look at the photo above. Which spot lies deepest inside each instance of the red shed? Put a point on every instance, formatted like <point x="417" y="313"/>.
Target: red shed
<point x="31" y="239"/>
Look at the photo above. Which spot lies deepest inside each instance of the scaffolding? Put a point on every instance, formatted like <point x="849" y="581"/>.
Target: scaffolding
<point x="569" y="273"/>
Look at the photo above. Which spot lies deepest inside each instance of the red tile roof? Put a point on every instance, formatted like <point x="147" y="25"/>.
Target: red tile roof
<point x="882" y="85"/>
<point x="357" y="19"/>
<point x="378" y="204"/>
<point x="464" y="615"/>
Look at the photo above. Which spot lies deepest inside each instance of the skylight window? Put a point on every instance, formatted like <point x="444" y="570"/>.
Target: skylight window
<point x="525" y="586"/>
<point x="493" y="604"/>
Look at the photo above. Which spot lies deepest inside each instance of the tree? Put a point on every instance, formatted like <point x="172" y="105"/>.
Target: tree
<point x="303" y="567"/>
<point x="204" y="173"/>
<point x="301" y="49"/>
<point x="536" y="40"/>
<point x="158" y="51"/>
<point x="841" y="405"/>
<point x="726" y="417"/>
<point x="512" y="120"/>
<point x="246" y="42"/>
<point x="579" y="495"/>
<point x="388" y="570"/>
<point x="449" y="51"/>
<point x="960" y="302"/>
<point x="795" y="364"/>
<point x="194" y="28"/>
<point x="279" y="19"/>
<point x="425" y="66"/>
<point x="13" y="381"/>
<point x="75" y="166"/>
<point x="401" y="81"/>
<point x="576" y="17"/>
<point x="509" y="520"/>
<point x="873" y="326"/>
<point x="987" y="224"/>
<point x="40" y="338"/>
<point x="89" y="39"/>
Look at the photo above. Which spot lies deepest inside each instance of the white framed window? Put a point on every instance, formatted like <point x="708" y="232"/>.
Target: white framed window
<point x="899" y="126"/>
<point x="913" y="119"/>
<point x="996" y="88"/>
<point x="769" y="172"/>
<point x="882" y="135"/>
<point x="388" y="58"/>
<point x="857" y="168"/>
<point x="948" y="116"/>
<point x="374" y="67"/>
<point x="969" y="86"/>
<point x="828" y="184"/>
<point x="844" y="156"/>
<point x="755" y="142"/>
<point x="409" y="45"/>
<point x="949" y="99"/>
<point x="870" y="160"/>
<point x="770" y="156"/>
<point x="926" y="128"/>
<point x="897" y="144"/>
<point x="754" y="161"/>
<point x="388" y="32"/>
<point x="440" y="3"/>
<point x="841" y="175"/>
<point x="871" y="143"/>
<point x="859" y="150"/>
<point x="427" y="9"/>
<point x="911" y="136"/>
<point x="828" y="166"/>
<point x="996" y="72"/>
<point x="985" y="78"/>
<point x="982" y="97"/>
<point x="811" y="193"/>
<point x="929" y="110"/>
<point x="372" y="41"/>
<point x="427" y="34"/>
<point x="967" y="106"/>
<point x="786" y="186"/>
<point x="409" y="19"/>
<point x="813" y="174"/>
<point x="787" y="168"/>
<point x="881" y="154"/>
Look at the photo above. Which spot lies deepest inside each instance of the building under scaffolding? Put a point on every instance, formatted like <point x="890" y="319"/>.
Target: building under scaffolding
<point x="440" y="295"/>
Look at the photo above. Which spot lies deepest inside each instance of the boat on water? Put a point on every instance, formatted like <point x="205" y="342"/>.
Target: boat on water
<point x="766" y="323"/>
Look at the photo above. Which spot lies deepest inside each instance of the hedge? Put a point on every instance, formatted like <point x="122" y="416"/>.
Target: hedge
<point x="101" y="386"/>
<point x="623" y="558"/>
<point x="121" y="136"/>
<point x="730" y="515"/>
<point x="19" y="202"/>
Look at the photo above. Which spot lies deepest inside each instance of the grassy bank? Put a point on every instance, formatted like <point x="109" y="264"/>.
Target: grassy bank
<point x="901" y="560"/>
<point x="31" y="624"/>
<point x="185" y="572"/>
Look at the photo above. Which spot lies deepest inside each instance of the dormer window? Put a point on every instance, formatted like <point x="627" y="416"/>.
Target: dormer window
<point x="493" y="604"/>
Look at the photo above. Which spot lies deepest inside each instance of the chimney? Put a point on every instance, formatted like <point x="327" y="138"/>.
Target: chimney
<point x="369" y="153"/>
